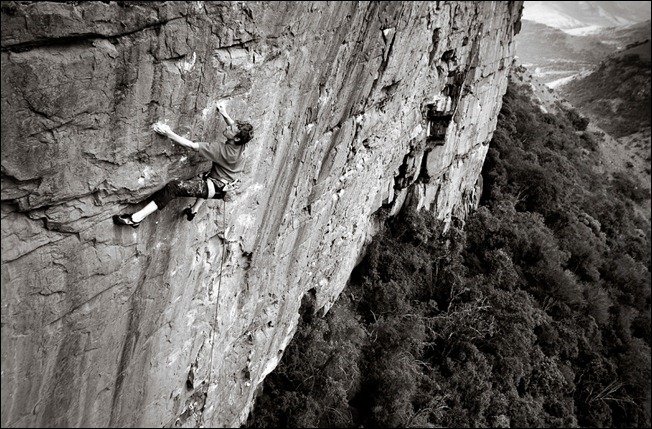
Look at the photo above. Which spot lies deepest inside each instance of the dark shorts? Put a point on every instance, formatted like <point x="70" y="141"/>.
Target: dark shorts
<point x="196" y="187"/>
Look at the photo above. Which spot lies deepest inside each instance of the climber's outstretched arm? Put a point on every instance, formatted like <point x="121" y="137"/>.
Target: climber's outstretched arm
<point x="165" y="130"/>
<point x="221" y="109"/>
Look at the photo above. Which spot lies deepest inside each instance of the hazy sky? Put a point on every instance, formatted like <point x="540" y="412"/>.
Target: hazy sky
<point x="569" y="15"/>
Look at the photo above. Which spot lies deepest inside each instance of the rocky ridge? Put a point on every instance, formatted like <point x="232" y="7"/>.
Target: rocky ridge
<point x="356" y="106"/>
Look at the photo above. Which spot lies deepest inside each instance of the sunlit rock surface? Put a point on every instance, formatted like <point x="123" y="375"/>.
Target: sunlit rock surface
<point x="355" y="106"/>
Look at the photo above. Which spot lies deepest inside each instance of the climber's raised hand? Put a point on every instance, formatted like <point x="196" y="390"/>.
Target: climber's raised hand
<point x="162" y="129"/>
<point x="221" y="109"/>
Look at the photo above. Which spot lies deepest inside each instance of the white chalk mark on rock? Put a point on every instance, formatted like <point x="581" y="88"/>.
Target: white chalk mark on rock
<point x="189" y="64"/>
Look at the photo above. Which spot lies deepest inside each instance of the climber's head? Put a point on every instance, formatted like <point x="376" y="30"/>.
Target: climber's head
<point x="240" y="132"/>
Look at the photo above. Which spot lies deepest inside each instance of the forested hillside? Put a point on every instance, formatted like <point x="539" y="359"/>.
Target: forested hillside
<point x="535" y="314"/>
<point x="617" y="93"/>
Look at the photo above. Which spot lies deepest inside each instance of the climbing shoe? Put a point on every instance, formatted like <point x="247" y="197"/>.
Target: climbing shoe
<point x="125" y="219"/>
<point x="190" y="215"/>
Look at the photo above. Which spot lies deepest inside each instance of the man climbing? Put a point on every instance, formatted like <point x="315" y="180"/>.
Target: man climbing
<point x="228" y="162"/>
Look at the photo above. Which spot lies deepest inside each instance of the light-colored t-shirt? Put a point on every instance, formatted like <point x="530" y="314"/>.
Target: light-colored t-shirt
<point x="228" y="159"/>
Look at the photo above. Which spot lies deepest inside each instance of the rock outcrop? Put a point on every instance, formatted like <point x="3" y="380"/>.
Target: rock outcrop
<point x="356" y="106"/>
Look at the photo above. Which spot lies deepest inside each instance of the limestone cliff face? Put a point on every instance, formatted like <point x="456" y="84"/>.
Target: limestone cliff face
<point x="356" y="106"/>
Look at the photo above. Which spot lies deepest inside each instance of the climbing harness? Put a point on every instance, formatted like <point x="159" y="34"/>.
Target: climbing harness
<point x="217" y="302"/>
<point x="229" y="187"/>
<point x="222" y="187"/>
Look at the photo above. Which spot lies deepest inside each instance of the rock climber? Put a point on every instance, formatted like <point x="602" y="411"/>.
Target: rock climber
<point x="228" y="162"/>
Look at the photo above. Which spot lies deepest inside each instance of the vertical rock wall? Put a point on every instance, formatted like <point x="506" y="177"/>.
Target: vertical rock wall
<point x="355" y="106"/>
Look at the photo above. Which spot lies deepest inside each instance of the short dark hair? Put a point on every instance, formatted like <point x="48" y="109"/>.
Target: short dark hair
<point x="245" y="133"/>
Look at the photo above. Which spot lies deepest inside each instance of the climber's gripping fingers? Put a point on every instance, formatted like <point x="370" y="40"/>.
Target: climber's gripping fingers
<point x="221" y="109"/>
<point x="162" y="129"/>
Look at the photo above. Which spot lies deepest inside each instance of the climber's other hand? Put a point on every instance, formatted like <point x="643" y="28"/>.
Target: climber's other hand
<point x="162" y="129"/>
<point x="221" y="108"/>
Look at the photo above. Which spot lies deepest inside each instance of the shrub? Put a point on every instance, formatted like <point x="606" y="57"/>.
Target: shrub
<point x="579" y="122"/>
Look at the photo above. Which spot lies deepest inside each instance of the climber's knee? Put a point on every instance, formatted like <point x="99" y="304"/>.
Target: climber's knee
<point x="161" y="199"/>
<point x="163" y="196"/>
<point x="174" y="187"/>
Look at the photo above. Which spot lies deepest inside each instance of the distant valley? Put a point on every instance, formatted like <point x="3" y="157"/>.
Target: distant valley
<point x="554" y="56"/>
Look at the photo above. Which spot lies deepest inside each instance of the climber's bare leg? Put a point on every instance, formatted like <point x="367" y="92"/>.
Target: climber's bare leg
<point x="144" y="212"/>
<point x="135" y="218"/>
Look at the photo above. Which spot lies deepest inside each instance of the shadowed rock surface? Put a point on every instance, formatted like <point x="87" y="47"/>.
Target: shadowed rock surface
<point x="355" y="106"/>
